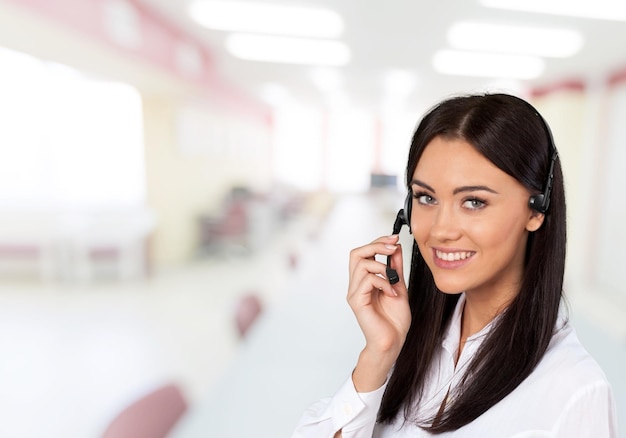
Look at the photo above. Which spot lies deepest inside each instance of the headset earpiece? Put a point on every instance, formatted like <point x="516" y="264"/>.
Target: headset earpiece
<point x="541" y="201"/>
<point x="536" y="202"/>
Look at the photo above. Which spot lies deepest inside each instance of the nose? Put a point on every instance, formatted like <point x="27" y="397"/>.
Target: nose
<point x="445" y="226"/>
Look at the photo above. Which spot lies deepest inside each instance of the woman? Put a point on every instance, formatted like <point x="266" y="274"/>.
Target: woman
<point x="476" y="346"/>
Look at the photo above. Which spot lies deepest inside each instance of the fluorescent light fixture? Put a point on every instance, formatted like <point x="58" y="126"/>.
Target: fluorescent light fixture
<point x="598" y="9"/>
<point x="491" y="65"/>
<point x="288" y="50"/>
<point x="267" y="18"/>
<point x="558" y="43"/>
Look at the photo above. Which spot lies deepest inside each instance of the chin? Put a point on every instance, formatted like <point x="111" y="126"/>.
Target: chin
<point x="450" y="288"/>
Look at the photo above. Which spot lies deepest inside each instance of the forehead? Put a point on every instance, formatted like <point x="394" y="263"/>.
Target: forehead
<point x="456" y="162"/>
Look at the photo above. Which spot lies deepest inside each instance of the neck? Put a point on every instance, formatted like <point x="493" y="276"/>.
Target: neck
<point x="478" y="311"/>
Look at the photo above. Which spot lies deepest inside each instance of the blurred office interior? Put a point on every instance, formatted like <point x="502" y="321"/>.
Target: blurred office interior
<point x="175" y="210"/>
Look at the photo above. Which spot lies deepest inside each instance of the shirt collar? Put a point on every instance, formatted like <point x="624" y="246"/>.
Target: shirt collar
<point x="452" y="336"/>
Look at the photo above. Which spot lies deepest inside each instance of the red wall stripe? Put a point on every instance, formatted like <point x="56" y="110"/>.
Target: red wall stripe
<point x="617" y="78"/>
<point x="565" y="85"/>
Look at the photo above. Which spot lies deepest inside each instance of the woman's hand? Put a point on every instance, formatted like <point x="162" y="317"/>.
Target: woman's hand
<point x="382" y="310"/>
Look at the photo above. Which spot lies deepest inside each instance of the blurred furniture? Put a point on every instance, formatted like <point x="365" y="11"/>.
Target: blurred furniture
<point x="29" y="243"/>
<point x="248" y="309"/>
<point x="115" y="239"/>
<point x="383" y="181"/>
<point x="245" y="221"/>
<point x="74" y="244"/>
<point x="228" y="229"/>
<point x="152" y="416"/>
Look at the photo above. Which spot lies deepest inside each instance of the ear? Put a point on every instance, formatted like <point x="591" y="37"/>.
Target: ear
<point x="535" y="221"/>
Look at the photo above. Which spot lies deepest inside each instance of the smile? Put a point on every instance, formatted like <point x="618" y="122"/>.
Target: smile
<point x="453" y="256"/>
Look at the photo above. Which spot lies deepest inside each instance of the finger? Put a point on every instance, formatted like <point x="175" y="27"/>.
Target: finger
<point x="363" y="269"/>
<point x="397" y="263"/>
<point x="386" y="245"/>
<point x="366" y="292"/>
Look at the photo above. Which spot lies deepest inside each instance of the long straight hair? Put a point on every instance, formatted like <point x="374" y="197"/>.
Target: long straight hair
<point x="511" y="134"/>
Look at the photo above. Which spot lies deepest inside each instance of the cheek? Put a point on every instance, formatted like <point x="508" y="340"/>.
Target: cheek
<point x="501" y="244"/>
<point x="420" y="228"/>
<point x="490" y="233"/>
<point x="421" y="234"/>
<point x="512" y="223"/>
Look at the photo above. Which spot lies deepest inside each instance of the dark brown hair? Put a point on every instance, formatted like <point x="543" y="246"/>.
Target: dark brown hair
<point x="510" y="133"/>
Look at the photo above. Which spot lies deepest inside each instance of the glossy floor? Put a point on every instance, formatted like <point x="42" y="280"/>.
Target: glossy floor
<point x="71" y="356"/>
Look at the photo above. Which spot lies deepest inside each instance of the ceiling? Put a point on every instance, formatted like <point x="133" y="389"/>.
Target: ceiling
<point x="405" y="34"/>
<point x="383" y="36"/>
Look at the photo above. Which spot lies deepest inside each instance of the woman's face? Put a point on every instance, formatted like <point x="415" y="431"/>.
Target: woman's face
<point x="470" y="220"/>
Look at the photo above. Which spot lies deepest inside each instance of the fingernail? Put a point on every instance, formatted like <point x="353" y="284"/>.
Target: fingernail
<point x="390" y="246"/>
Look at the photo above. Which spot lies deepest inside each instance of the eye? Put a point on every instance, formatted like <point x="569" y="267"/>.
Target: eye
<point x="424" y="199"/>
<point x="474" y="204"/>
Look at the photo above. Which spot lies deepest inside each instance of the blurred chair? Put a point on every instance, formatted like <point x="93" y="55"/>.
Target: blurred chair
<point x="226" y="231"/>
<point x="247" y="311"/>
<point x="119" y="237"/>
<point x="28" y="238"/>
<point x="152" y="416"/>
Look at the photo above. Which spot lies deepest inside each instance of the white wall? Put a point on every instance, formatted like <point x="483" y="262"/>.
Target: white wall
<point x="590" y="135"/>
<point x="610" y="200"/>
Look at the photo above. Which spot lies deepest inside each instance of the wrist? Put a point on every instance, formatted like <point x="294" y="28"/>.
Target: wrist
<point x="372" y="370"/>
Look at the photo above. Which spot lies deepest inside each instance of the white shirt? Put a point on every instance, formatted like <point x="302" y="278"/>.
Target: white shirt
<point x="566" y="396"/>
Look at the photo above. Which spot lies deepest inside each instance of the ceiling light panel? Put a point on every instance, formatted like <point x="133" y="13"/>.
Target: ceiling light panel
<point x="267" y="18"/>
<point x="288" y="50"/>
<point x="558" y="43"/>
<point x="598" y="9"/>
<point x="489" y="65"/>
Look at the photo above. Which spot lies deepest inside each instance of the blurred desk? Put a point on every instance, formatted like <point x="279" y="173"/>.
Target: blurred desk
<point x="67" y="244"/>
<point x="300" y="350"/>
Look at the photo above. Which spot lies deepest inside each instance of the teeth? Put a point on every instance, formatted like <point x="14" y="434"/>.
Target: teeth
<point x="452" y="256"/>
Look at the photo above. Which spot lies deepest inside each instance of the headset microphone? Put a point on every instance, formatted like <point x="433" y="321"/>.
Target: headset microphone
<point x="401" y="219"/>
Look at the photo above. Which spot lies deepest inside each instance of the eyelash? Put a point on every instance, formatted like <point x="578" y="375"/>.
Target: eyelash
<point x="482" y="203"/>
<point x="473" y="200"/>
<point x="419" y="195"/>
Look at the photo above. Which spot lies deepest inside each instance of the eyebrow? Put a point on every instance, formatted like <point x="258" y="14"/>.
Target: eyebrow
<point x="461" y="189"/>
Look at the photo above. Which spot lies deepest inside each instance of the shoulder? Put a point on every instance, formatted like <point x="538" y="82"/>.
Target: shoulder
<point x="567" y="364"/>
<point x="566" y="387"/>
<point x="580" y="389"/>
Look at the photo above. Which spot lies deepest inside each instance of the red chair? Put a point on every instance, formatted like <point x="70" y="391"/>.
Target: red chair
<point x="152" y="416"/>
<point x="248" y="309"/>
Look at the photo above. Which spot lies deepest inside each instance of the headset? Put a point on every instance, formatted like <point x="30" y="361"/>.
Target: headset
<point x="402" y="218"/>
<point x="539" y="202"/>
